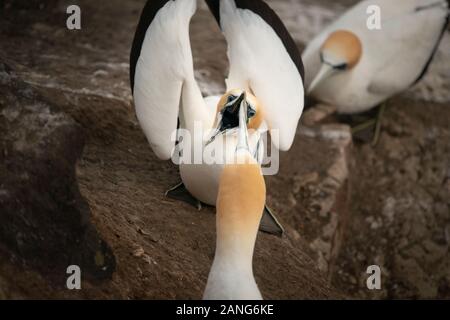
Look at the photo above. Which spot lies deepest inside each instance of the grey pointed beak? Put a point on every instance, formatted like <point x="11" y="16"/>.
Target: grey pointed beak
<point x="324" y="72"/>
<point x="236" y="103"/>
<point x="243" y="132"/>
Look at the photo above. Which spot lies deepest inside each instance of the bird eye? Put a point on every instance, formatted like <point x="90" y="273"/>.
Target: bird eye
<point x="250" y="112"/>
<point x="341" y="66"/>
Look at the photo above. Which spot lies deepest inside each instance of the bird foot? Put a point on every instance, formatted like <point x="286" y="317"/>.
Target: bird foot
<point x="179" y="192"/>
<point x="365" y="127"/>
<point x="269" y="223"/>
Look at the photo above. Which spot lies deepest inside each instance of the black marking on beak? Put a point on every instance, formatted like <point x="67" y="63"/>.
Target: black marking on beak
<point x="230" y="116"/>
<point x="341" y="66"/>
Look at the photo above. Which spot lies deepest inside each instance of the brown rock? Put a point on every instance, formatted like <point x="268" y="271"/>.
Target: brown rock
<point x="44" y="221"/>
<point x="315" y="173"/>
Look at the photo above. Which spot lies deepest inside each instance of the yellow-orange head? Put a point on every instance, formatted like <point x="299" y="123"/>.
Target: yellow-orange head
<point x="229" y="108"/>
<point x="342" y="47"/>
<point x="341" y="51"/>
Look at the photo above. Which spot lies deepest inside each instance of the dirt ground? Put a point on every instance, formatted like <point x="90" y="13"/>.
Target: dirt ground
<point x="400" y="189"/>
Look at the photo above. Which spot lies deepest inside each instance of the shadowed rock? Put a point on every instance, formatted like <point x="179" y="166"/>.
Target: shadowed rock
<point x="44" y="221"/>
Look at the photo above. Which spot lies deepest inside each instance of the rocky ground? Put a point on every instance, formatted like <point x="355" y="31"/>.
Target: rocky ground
<point x="400" y="205"/>
<point x="345" y="206"/>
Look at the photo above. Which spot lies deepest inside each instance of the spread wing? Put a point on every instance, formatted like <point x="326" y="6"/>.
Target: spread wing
<point x="161" y="71"/>
<point x="264" y="59"/>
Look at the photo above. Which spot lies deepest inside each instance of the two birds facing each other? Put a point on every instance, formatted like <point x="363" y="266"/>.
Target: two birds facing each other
<point x="265" y="92"/>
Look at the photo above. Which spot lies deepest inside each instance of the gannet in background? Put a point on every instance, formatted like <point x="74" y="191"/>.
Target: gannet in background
<point x="240" y="203"/>
<point x="265" y="68"/>
<point x="355" y="69"/>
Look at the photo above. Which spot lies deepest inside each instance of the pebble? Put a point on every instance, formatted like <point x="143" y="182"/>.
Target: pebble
<point x="139" y="252"/>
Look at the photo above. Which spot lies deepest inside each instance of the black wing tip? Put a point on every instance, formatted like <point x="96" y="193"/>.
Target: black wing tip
<point x="148" y="13"/>
<point x="433" y="53"/>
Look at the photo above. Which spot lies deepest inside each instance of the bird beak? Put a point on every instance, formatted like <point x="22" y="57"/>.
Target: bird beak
<point x="325" y="71"/>
<point x="243" y="133"/>
<point x="229" y="120"/>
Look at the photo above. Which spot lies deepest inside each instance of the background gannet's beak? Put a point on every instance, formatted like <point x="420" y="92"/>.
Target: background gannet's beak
<point x="325" y="71"/>
<point x="229" y="117"/>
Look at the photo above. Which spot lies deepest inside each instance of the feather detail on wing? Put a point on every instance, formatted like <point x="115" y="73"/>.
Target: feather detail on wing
<point x="160" y="65"/>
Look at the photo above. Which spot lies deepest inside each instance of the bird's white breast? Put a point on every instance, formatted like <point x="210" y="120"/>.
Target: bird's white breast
<point x="202" y="180"/>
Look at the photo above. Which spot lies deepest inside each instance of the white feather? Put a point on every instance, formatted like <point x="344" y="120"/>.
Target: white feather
<point x="164" y="74"/>
<point x="231" y="278"/>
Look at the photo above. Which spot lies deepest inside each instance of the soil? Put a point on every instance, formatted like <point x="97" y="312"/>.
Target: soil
<point x="44" y="220"/>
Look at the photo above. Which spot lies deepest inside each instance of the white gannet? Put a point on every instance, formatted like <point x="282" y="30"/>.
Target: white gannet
<point x="355" y="69"/>
<point x="265" y="67"/>
<point x="240" y="203"/>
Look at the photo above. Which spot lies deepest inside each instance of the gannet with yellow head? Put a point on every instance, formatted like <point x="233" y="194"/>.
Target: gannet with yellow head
<point x="341" y="51"/>
<point x="355" y="68"/>
<point x="266" y="72"/>
<point x="240" y="203"/>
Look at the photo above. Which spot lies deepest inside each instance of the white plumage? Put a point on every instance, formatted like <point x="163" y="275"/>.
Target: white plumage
<point x="392" y="58"/>
<point x="239" y="208"/>
<point x="164" y="78"/>
<point x="165" y="90"/>
<point x="259" y="62"/>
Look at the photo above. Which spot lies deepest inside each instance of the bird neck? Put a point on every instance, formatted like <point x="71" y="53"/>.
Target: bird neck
<point x="240" y="204"/>
<point x="235" y="249"/>
<point x="231" y="275"/>
<point x="232" y="268"/>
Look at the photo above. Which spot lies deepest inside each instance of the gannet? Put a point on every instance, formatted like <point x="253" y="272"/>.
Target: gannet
<point x="240" y="203"/>
<point x="265" y="67"/>
<point x="355" y="68"/>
